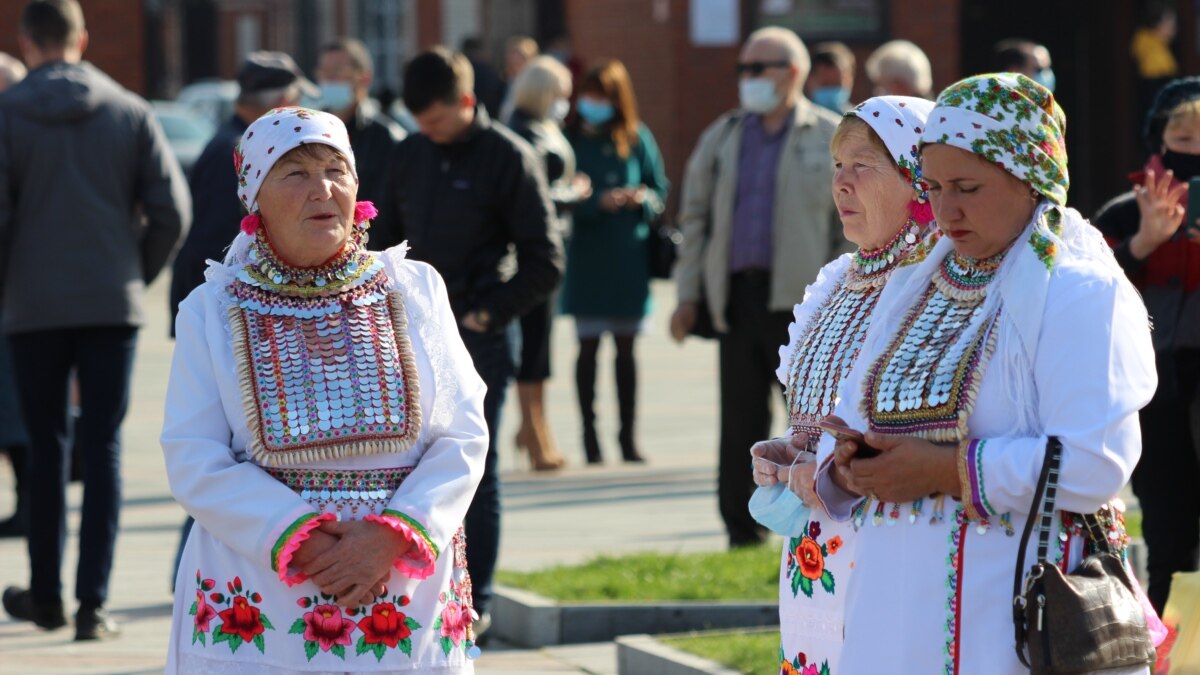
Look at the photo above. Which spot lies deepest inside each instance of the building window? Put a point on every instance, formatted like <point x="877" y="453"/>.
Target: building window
<point x="850" y="20"/>
<point x="248" y="30"/>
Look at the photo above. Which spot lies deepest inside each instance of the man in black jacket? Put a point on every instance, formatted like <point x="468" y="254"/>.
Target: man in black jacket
<point x="266" y="80"/>
<point x="463" y="192"/>
<point x="344" y="74"/>
<point x="82" y="162"/>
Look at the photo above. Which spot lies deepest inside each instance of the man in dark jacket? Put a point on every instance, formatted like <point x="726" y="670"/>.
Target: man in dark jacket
<point x="91" y="204"/>
<point x="266" y="80"/>
<point x="344" y="73"/>
<point x="462" y="192"/>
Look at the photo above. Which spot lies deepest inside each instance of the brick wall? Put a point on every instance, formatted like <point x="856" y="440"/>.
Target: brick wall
<point x="116" y="31"/>
<point x="682" y="88"/>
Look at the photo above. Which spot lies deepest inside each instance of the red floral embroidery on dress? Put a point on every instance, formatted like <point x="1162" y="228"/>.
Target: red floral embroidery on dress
<point x="799" y="665"/>
<point x="327" y="629"/>
<point x="806" y="561"/>
<point x="241" y="622"/>
<point x="454" y="623"/>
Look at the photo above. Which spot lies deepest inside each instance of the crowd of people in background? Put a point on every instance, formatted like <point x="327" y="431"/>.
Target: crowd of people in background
<point x="534" y="190"/>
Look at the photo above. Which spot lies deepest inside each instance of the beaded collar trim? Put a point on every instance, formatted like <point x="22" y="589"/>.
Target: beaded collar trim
<point x="877" y="263"/>
<point x="835" y="334"/>
<point x="926" y="381"/>
<point x="326" y="372"/>
<point x="267" y="270"/>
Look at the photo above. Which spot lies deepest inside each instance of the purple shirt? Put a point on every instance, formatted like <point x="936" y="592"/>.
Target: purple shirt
<point x="754" y="204"/>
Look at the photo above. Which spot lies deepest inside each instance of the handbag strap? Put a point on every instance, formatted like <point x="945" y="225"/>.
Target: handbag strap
<point x="1041" y="513"/>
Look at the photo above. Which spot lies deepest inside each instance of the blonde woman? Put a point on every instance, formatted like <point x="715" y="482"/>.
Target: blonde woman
<point x="540" y="102"/>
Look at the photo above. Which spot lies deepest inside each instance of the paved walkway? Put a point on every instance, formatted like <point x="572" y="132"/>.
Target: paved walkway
<point x="560" y="518"/>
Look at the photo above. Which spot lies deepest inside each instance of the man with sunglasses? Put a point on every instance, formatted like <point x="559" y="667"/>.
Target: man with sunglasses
<point x="758" y="221"/>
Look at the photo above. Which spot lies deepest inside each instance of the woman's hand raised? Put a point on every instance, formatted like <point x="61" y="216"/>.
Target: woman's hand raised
<point x="1161" y="213"/>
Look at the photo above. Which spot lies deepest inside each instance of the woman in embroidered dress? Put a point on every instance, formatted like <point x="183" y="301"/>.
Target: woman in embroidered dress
<point x="1018" y="325"/>
<point x="324" y="427"/>
<point x="884" y="211"/>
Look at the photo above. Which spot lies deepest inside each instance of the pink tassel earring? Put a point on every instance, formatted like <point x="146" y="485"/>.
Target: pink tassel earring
<point x="364" y="211"/>
<point x="251" y="223"/>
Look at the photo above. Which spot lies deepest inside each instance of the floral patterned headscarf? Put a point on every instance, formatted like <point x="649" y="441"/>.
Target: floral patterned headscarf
<point x="1010" y="120"/>
<point x="898" y="121"/>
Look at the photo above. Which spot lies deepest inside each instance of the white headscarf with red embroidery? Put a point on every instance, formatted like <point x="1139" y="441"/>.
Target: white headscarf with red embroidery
<point x="899" y="121"/>
<point x="275" y="134"/>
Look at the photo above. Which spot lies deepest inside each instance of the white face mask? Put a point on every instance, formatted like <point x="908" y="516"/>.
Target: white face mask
<point x="758" y="95"/>
<point x="559" y="109"/>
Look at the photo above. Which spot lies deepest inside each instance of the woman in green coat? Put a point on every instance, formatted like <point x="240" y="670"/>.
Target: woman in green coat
<point x="607" y="285"/>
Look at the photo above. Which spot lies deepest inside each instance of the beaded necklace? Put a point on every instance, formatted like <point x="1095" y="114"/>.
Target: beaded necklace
<point x="836" y="332"/>
<point x="324" y="358"/>
<point x="330" y="277"/>
<point x="924" y="384"/>
<point x="878" y="262"/>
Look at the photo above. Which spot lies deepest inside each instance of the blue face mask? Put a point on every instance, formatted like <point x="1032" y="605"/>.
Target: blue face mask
<point x="1045" y="77"/>
<point x="779" y="509"/>
<point x="831" y="98"/>
<point x="336" y="96"/>
<point x="593" y="112"/>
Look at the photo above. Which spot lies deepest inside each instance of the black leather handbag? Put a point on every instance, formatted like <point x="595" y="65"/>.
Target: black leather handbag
<point x="1084" y="622"/>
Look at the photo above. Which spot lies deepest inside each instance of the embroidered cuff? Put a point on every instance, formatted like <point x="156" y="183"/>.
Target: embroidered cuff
<point x="970" y="476"/>
<point x="419" y="562"/>
<point x="289" y="542"/>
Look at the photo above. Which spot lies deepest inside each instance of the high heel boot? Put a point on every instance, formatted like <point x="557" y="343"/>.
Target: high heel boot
<point x="585" y="387"/>
<point x="626" y="369"/>
<point x="534" y="436"/>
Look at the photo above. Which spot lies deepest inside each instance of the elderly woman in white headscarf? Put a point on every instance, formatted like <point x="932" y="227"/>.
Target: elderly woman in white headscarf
<point x="324" y="427"/>
<point x="884" y="210"/>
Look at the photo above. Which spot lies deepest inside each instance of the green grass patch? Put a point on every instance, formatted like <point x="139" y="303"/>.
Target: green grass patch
<point x="1133" y="523"/>
<point x="748" y="652"/>
<point x="750" y="573"/>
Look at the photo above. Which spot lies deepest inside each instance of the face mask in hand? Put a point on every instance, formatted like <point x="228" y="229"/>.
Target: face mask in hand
<point x="779" y="510"/>
<point x="758" y="95"/>
<point x="336" y="96"/>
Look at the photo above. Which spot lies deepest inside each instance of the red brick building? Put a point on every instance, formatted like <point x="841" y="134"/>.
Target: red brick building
<point x="117" y="33"/>
<point x="156" y="46"/>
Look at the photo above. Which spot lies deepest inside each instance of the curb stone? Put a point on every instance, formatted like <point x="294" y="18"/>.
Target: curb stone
<point x="530" y="620"/>
<point x="643" y="655"/>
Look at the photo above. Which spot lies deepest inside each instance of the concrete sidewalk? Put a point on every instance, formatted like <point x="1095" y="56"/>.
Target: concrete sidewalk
<point x="667" y="505"/>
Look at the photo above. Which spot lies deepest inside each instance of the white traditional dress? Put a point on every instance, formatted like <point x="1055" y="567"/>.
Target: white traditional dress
<point x="824" y="342"/>
<point x="1048" y="339"/>
<point x="298" y="396"/>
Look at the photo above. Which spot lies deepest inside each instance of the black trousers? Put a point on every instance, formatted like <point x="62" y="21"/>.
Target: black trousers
<point x="492" y="354"/>
<point x="749" y="355"/>
<point x="1167" y="478"/>
<point x="102" y="358"/>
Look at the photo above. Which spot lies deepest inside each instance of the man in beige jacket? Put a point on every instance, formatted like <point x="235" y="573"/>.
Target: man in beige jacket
<point x="758" y="221"/>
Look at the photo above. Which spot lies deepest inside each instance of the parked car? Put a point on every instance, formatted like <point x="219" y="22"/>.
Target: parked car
<point x="187" y="132"/>
<point x="212" y="99"/>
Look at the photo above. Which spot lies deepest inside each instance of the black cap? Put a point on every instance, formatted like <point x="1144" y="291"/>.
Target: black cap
<point x="264" y="71"/>
<point x="1173" y="94"/>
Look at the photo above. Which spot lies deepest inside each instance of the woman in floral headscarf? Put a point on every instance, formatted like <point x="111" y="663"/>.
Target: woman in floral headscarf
<point x="1017" y="326"/>
<point x="884" y="210"/>
<point x="324" y="427"/>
